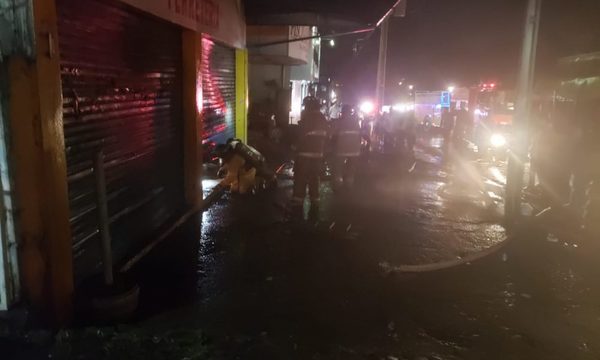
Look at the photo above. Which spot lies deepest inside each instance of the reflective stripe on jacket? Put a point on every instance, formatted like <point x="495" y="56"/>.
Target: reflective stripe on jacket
<point x="314" y="136"/>
<point x="346" y="137"/>
<point x="313" y="144"/>
<point x="347" y="143"/>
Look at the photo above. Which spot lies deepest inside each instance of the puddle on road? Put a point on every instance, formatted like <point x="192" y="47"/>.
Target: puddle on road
<point x="441" y="220"/>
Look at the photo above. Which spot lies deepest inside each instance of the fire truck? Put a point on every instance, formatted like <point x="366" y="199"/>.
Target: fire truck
<point x="493" y="110"/>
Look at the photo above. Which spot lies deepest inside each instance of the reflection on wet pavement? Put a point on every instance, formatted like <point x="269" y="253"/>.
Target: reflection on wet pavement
<point x="273" y="288"/>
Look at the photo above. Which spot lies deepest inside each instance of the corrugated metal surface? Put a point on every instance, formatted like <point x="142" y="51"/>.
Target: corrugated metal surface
<point x="218" y="92"/>
<point x="121" y="75"/>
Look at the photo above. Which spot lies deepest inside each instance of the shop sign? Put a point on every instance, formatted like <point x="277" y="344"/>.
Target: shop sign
<point x="221" y="19"/>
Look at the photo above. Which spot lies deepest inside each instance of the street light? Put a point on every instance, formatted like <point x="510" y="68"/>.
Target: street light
<point x="332" y="43"/>
<point x="410" y="87"/>
<point x="451" y="88"/>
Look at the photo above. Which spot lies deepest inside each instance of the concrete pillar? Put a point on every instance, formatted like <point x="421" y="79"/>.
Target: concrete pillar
<point x="40" y="170"/>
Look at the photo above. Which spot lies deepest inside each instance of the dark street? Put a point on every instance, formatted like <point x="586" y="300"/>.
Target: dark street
<point x="311" y="180"/>
<point x="268" y="288"/>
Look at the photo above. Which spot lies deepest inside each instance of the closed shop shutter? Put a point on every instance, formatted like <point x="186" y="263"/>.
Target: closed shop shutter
<point x="121" y="78"/>
<point x="218" y="92"/>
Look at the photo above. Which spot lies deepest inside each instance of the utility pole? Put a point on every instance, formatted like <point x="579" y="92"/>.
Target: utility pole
<point x="398" y="10"/>
<point x="382" y="63"/>
<point x="514" y="182"/>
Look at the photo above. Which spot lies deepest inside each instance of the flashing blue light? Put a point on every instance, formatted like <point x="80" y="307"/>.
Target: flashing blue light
<point x="446" y="99"/>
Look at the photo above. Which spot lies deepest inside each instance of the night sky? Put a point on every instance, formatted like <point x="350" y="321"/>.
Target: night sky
<point x="462" y="42"/>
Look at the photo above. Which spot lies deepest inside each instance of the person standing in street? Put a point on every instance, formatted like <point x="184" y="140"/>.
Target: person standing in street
<point x="447" y="125"/>
<point x="309" y="154"/>
<point x="346" y="147"/>
<point x="464" y="124"/>
<point x="410" y="132"/>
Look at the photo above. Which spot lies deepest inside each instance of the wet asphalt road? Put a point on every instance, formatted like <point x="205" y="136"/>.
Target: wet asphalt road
<point x="263" y="286"/>
<point x="258" y="285"/>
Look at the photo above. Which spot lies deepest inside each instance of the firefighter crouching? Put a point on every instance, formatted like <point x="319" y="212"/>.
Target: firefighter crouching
<point x="346" y="141"/>
<point x="244" y="168"/>
<point x="309" y="153"/>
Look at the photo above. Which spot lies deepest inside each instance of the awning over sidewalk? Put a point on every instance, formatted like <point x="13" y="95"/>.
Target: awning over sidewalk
<point x="332" y="14"/>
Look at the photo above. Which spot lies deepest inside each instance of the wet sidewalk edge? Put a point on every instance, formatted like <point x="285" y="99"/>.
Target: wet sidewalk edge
<point x="213" y="196"/>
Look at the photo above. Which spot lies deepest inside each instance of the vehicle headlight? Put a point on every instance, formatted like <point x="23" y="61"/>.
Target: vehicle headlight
<point x="498" y="140"/>
<point x="367" y="107"/>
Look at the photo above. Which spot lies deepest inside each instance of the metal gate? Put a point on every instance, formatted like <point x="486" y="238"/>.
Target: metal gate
<point x="121" y="77"/>
<point x="218" y="92"/>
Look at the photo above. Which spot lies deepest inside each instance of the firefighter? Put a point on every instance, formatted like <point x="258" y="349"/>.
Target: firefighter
<point x="447" y="124"/>
<point x="409" y="128"/>
<point x="310" y="151"/>
<point x="346" y="143"/>
<point x="463" y="125"/>
<point x="243" y="167"/>
<point x="237" y="175"/>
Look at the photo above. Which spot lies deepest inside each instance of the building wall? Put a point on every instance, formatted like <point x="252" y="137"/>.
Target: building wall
<point x="266" y="80"/>
<point x="268" y="34"/>
<point x="310" y="70"/>
<point x="300" y="49"/>
<point x="223" y="20"/>
<point x="269" y="85"/>
<point x="277" y="72"/>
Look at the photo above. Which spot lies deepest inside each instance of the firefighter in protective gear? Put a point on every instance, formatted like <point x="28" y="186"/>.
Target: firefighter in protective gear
<point x="307" y="102"/>
<point x="346" y="141"/>
<point x="463" y="125"/>
<point x="309" y="153"/>
<point x="238" y="177"/>
<point x="244" y="168"/>
<point x="447" y="124"/>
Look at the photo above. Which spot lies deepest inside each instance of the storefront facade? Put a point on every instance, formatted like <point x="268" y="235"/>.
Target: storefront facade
<point x="281" y="74"/>
<point x="144" y="81"/>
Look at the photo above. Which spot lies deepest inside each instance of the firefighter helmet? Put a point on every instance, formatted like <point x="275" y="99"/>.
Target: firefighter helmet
<point x="311" y="103"/>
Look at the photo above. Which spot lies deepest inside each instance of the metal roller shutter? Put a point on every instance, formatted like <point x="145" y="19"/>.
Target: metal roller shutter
<point x="121" y="77"/>
<point x="218" y="92"/>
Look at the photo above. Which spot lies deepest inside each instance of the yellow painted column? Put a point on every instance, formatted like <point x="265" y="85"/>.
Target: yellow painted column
<point x="192" y="108"/>
<point x="38" y="148"/>
<point x="241" y="94"/>
<point x="27" y="174"/>
<point x="55" y="211"/>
